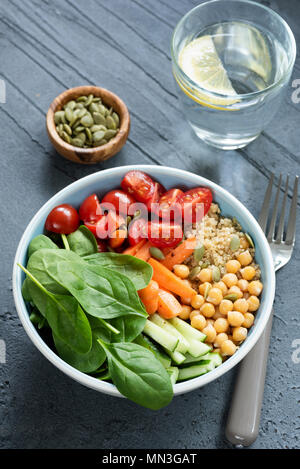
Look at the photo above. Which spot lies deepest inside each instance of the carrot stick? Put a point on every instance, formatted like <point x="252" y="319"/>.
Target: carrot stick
<point x="180" y="253"/>
<point x="168" y="305"/>
<point x="118" y="238"/>
<point x="132" y="250"/>
<point x="149" y="297"/>
<point x="144" y="252"/>
<point x="169" y="281"/>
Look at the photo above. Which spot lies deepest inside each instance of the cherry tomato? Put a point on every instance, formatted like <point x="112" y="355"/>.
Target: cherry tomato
<point x="159" y="190"/>
<point x="163" y="235"/>
<point x="101" y="245"/>
<point x="90" y="209"/>
<point x="63" y="219"/>
<point x="137" y="231"/>
<point x="189" y="201"/>
<point x="139" y="185"/>
<point x="119" y="199"/>
<point x="169" y="206"/>
<point x="106" y="225"/>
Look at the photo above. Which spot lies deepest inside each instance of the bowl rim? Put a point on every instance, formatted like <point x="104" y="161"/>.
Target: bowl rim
<point x="109" y="388"/>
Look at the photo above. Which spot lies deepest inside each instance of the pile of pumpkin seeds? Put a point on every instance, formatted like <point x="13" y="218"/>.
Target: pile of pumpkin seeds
<point x="86" y="122"/>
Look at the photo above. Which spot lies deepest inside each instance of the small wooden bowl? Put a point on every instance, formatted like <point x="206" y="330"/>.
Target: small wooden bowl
<point x="95" y="154"/>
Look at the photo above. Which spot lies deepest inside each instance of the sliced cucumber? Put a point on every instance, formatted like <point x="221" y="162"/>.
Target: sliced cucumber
<point x="159" y="354"/>
<point x="189" y="332"/>
<point x="197" y="349"/>
<point x="193" y="371"/>
<point x="214" y="359"/>
<point x="183" y="344"/>
<point x="173" y="372"/>
<point x="161" y="336"/>
<point x="177" y="357"/>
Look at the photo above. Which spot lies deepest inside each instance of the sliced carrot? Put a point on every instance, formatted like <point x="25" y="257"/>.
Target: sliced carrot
<point x="132" y="250"/>
<point x="149" y="297"/>
<point x="169" y="281"/>
<point x="168" y="305"/>
<point x="180" y="253"/>
<point x="166" y="251"/>
<point x="144" y="252"/>
<point x="117" y="238"/>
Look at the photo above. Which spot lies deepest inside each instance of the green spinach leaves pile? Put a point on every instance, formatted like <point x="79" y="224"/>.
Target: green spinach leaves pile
<point x="90" y="302"/>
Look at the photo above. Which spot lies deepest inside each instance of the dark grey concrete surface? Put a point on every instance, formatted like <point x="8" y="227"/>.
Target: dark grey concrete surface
<point x="123" y="45"/>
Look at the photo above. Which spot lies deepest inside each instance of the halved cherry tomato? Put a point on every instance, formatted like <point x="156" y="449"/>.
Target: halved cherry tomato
<point x="163" y="235"/>
<point x="169" y="206"/>
<point x="139" y="185"/>
<point x="101" y="245"/>
<point x="119" y="199"/>
<point x="90" y="209"/>
<point x="137" y="231"/>
<point x="106" y="225"/>
<point x="159" y="190"/>
<point x="191" y="200"/>
<point x="63" y="219"/>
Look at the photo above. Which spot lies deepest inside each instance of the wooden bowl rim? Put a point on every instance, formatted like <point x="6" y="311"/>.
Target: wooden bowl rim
<point x="84" y="90"/>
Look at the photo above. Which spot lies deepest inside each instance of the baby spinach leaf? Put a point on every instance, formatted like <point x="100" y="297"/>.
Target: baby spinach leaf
<point x="129" y="327"/>
<point x="40" y="262"/>
<point x="139" y="272"/>
<point x="85" y="362"/>
<point x="102" y="292"/>
<point x="64" y="315"/>
<point x="82" y="241"/>
<point x="41" y="242"/>
<point x="138" y="375"/>
<point x="25" y="290"/>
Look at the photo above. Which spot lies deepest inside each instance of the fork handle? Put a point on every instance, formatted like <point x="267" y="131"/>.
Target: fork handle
<point x="244" y="414"/>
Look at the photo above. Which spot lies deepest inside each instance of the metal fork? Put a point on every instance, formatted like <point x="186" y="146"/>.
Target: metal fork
<point x="244" y="415"/>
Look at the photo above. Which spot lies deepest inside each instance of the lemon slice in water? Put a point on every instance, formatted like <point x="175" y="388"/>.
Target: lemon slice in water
<point x="200" y="61"/>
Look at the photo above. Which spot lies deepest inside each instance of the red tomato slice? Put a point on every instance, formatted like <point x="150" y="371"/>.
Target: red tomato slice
<point x="101" y="245"/>
<point x="137" y="231"/>
<point x="139" y="185"/>
<point x="90" y="209"/>
<point x="163" y="235"/>
<point x="159" y="190"/>
<point x="106" y="226"/>
<point x="63" y="219"/>
<point x="169" y="206"/>
<point x="190" y="202"/>
<point x="120" y="200"/>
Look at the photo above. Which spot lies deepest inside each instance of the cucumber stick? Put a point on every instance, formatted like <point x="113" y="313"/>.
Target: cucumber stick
<point x="197" y="349"/>
<point x="213" y="357"/>
<point x="177" y="357"/>
<point x="189" y="332"/>
<point x="193" y="371"/>
<point x="183" y="344"/>
<point x="159" y="354"/>
<point x="173" y="373"/>
<point x="159" y="335"/>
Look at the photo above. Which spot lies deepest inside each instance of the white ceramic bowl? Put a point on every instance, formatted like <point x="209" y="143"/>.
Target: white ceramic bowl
<point x="103" y="181"/>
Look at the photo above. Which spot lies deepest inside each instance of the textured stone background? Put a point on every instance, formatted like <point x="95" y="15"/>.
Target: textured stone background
<point x="47" y="46"/>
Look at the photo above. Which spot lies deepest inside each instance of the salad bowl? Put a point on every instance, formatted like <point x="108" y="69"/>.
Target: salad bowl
<point x="106" y="180"/>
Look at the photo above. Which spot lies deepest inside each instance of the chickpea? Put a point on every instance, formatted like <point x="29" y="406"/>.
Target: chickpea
<point x="248" y="273"/>
<point x="203" y="287"/>
<point x="217" y="350"/>
<point x="185" y="312"/>
<point x="225" y="306"/>
<point x="239" y="334"/>
<point x="228" y="347"/>
<point x="221" y="285"/>
<point x="235" y="289"/>
<point x="230" y="280"/>
<point x="217" y="315"/>
<point x="243" y="285"/>
<point x="245" y="258"/>
<point x="253" y="303"/>
<point x="232" y="266"/>
<point x="208" y="310"/>
<point x="221" y="325"/>
<point x="197" y="301"/>
<point x="235" y="318"/>
<point x="210" y="333"/>
<point x="220" y="338"/>
<point x="182" y="271"/>
<point x="241" y="305"/>
<point x="255" y="287"/>
<point x="244" y="243"/>
<point x="214" y="296"/>
<point x="248" y="320"/>
<point x="198" y="322"/>
<point x="193" y="313"/>
<point x="205" y="275"/>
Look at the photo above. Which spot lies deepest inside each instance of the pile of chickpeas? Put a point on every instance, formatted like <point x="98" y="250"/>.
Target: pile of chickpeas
<point x="223" y="310"/>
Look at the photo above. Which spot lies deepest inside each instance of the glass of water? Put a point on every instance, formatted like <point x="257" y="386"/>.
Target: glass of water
<point x="232" y="61"/>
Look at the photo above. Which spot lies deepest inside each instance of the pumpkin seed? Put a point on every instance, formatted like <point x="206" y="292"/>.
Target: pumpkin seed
<point x="231" y="297"/>
<point x="216" y="274"/>
<point x="102" y="109"/>
<point x="82" y="137"/>
<point x="99" y="135"/>
<point x="96" y="100"/>
<point x="110" y="123"/>
<point x="65" y="136"/>
<point x="234" y="243"/>
<point x="128" y="220"/>
<point x="79" y="106"/>
<point x="77" y="142"/>
<point x="89" y="100"/>
<point x="156" y="253"/>
<point x="70" y="105"/>
<point x="116" y="118"/>
<point x="67" y="129"/>
<point x="93" y="107"/>
<point x="99" y="118"/>
<point x="136" y="214"/>
<point x="87" y="120"/>
<point x="81" y="99"/>
<point x="194" y="272"/>
<point x="58" y="116"/>
<point x="89" y="134"/>
<point x="250" y="240"/>
<point x="69" y="114"/>
<point x="199" y="253"/>
<point x="96" y="127"/>
<point x="207" y="288"/>
<point x="78" y="128"/>
<point x="99" y="144"/>
<point x="110" y="134"/>
<point x="204" y="265"/>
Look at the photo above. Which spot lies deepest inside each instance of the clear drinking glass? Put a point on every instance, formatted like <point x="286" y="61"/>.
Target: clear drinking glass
<point x="257" y="49"/>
